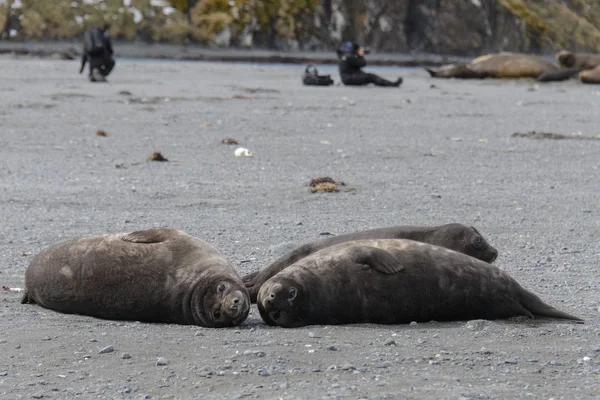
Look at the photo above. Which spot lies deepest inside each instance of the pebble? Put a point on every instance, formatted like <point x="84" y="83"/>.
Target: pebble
<point x="313" y="335"/>
<point x="485" y="351"/>
<point x="37" y="396"/>
<point x="161" y="361"/>
<point x="554" y="362"/>
<point x="347" y="367"/>
<point x="390" y="342"/>
<point x="107" y="349"/>
<point x="198" y="333"/>
<point x="510" y="361"/>
<point x="331" y="348"/>
<point x="477" y="324"/>
<point x="3" y="373"/>
<point x="434" y="362"/>
<point x="125" y="356"/>
<point x="263" y="372"/>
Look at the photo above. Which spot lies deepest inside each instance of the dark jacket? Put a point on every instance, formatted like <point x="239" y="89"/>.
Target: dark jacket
<point x="350" y="64"/>
<point x="99" y="59"/>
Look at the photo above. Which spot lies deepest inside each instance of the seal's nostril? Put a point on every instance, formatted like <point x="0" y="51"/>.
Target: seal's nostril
<point x="272" y="296"/>
<point x="236" y="300"/>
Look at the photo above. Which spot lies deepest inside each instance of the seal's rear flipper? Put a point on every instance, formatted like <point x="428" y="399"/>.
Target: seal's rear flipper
<point x="378" y="259"/>
<point x="155" y="235"/>
<point x="538" y="308"/>
<point x="432" y="72"/>
<point x="558" y="75"/>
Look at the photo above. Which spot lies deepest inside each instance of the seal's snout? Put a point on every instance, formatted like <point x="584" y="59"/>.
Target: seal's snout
<point x="236" y="304"/>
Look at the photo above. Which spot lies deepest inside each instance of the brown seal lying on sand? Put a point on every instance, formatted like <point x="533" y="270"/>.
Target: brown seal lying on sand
<point x="504" y="65"/>
<point x="462" y="238"/>
<point x="155" y="275"/>
<point x="394" y="281"/>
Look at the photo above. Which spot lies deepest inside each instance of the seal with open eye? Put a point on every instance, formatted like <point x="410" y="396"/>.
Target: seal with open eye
<point x="155" y="275"/>
<point x="459" y="237"/>
<point x="394" y="281"/>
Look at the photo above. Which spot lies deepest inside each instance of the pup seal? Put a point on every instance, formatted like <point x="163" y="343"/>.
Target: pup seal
<point x="462" y="238"/>
<point x="393" y="281"/>
<point x="155" y="275"/>
<point x="497" y="65"/>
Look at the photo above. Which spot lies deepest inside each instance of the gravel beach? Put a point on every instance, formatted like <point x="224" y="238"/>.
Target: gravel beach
<point x="428" y="153"/>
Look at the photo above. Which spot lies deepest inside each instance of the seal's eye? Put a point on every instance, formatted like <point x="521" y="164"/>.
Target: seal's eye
<point x="478" y="243"/>
<point x="292" y="294"/>
<point x="221" y="288"/>
<point x="275" y="315"/>
<point x="217" y="314"/>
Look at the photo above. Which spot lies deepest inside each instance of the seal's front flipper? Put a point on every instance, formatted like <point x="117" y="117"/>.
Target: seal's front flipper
<point x="378" y="259"/>
<point x="155" y="235"/>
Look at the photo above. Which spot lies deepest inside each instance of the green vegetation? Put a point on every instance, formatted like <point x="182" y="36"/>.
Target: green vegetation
<point x="549" y="24"/>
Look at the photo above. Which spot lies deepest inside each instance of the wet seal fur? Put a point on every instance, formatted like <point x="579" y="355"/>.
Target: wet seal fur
<point x="155" y="275"/>
<point x="394" y="281"/>
<point x="500" y="65"/>
<point x="459" y="237"/>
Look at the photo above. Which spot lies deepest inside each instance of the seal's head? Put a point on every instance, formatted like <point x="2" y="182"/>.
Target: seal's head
<point x="281" y="302"/>
<point x="220" y="303"/>
<point x="566" y="59"/>
<point x="467" y="240"/>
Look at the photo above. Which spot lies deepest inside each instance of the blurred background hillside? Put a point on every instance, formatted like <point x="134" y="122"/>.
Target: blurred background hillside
<point x="449" y="27"/>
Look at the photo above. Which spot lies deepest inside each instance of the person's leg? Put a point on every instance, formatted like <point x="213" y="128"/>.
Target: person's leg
<point x="95" y="69"/>
<point x="107" y="67"/>
<point x="379" y="81"/>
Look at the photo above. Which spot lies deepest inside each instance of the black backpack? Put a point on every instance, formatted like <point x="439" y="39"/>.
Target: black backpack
<point x="311" y="77"/>
<point x="93" y="42"/>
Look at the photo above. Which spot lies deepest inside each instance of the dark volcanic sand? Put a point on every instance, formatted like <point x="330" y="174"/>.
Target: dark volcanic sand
<point x="415" y="155"/>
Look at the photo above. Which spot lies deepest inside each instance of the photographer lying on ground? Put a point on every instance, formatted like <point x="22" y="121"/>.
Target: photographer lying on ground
<point x="352" y="59"/>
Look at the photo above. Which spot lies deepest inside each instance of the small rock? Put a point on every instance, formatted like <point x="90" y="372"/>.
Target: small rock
<point x="46" y="338"/>
<point x="107" y="349"/>
<point x="477" y="324"/>
<point x="485" y="351"/>
<point x="331" y="348"/>
<point x="510" y="361"/>
<point x="3" y="373"/>
<point x="390" y="342"/>
<point x="161" y="361"/>
<point x="263" y="372"/>
<point x="157" y="156"/>
<point x="101" y="132"/>
<point x="347" y="367"/>
<point x="37" y="396"/>
<point x="241" y="151"/>
<point x="125" y="356"/>
<point x="554" y="362"/>
<point x="313" y="335"/>
<point x="198" y="333"/>
<point x="434" y="362"/>
<point x="415" y="323"/>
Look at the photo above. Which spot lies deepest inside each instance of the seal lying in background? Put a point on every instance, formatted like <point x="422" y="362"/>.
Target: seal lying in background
<point x="155" y="275"/>
<point x="579" y="61"/>
<point x="590" y="75"/>
<point x="503" y="65"/>
<point x="393" y="281"/>
<point x="462" y="238"/>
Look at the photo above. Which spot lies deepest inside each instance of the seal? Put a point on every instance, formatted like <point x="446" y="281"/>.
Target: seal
<point x="459" y="237"/>
<point x="155" y="275"/>
<point x="394" y="281"/>
<point x="497" y="65"/>
<point x="590" y="75"/>
<point x="581" y="61"/>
